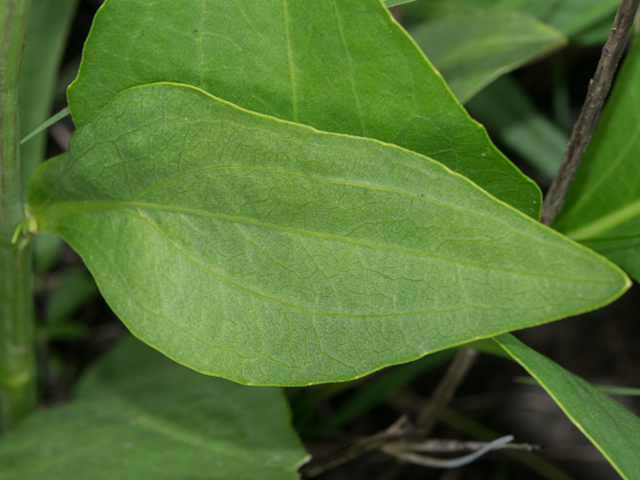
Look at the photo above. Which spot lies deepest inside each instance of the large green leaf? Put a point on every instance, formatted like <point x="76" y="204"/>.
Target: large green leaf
<point x="473" y="49"/>
<point x="613" y="429"/>
<point x="340" y="66"/>
<point x="140" y="416"/>
<point x="602" y="208"/>
<point x="268" y="252"/>
<point x="569" y="16"/>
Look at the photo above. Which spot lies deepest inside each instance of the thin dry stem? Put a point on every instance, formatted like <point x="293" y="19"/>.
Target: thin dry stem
<point x="599" y="88"/>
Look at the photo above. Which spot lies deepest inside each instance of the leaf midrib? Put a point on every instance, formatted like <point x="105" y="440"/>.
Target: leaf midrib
<point x="63" y="209"/>
<point x="326" y="314"/>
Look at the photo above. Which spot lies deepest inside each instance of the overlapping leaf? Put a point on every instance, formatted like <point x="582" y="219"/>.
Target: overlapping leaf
<point x="508" y="112"/>
<point x="613" y="429"/>
<point x="340" y="66"/>
<point x="270" y="253"/>
<point x="471" y="50"/>
<point x="140" y="416"/>
<point x="571" y="17"/>
<point x="602" y="208"/>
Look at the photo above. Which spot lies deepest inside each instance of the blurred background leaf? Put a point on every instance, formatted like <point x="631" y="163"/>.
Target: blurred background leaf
<point x="473" y="49"/>
<point x="510" y="115"/>
<point x="47" y="31"/>
<point x="139" y="415"/>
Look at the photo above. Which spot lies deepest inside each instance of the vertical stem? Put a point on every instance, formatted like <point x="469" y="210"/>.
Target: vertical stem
<point x="446" y="389"/>
<point x="17" y="356"/>
<point x="591" y="110"/>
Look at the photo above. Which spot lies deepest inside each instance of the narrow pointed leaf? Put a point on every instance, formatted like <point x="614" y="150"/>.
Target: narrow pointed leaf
<point x="140" y="416"/>
<point x="270" y="253"/>
<point x="569" y="16"/>
<point x="597" y="33"/>
<point x="47" y="30"/>
<point x="473" y="49"/>
<point x="613" y="429"/>
<point x="341" y="66"/>
<point x="602" y="208"/>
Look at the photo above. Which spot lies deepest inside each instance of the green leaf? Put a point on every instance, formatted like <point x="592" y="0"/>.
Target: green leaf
<point x="569" y="16"/>
<point x="139" y="416"/>
<point x="47" y="30"/>
<point x="393" y="3"/>
<point x="510" y="115"/>
<point x="611" y="389"/>
<point x="339" y="66"/>
<point x="473" y="49"/>
<point x="602" y="207"/>
<point x="596" y="33"/>
<point x="613" y="429"/>
<point x="268" y="252"/>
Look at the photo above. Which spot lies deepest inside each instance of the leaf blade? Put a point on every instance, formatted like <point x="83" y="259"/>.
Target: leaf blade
<point x="137" y="415"/>
<point x="602" y="207"/>
<point x="302" y="62"/>
<point x="594" y="413"/>
<point x="572" y="17"/>
<point x="364" y="253"/>
<point x="471" y="50"/>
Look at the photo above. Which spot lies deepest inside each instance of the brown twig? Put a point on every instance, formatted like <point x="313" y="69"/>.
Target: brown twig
<point x="597" y="94"/>
<point x="401" y="430"/>
<point x="436" y="445"/>
<point x="399" y="441"/>
<point x="446" y="389"/>
<point x="419" y="459"/>
<point x="356" y="450"/>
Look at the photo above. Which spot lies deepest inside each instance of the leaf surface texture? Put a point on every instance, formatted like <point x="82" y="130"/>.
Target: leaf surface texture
<point x="342" y="66"/>
<point x="271" y="253"/>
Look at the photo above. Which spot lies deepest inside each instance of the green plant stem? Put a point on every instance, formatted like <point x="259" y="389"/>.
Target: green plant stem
<point x="17" y="356"/>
